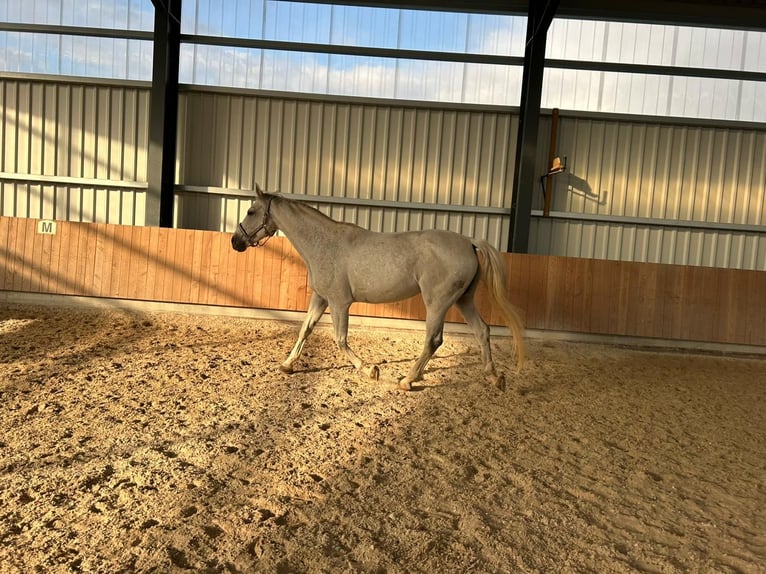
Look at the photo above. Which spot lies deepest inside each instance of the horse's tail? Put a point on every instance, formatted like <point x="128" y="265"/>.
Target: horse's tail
<point x="495" y="276"/>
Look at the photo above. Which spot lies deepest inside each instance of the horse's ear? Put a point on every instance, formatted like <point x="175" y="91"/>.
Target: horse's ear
<point x="258" y="190"/>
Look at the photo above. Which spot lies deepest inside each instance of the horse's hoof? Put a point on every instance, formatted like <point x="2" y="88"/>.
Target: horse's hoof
<point x="374" y="373"/>
<point x="498" y="381"/>
<point x="286" y="369"/>
<point x="405" y="385"/>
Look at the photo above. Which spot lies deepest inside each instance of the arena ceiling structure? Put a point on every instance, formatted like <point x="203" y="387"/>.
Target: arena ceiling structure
<point x="167" y="38"/>
<point x="737" y="14"/>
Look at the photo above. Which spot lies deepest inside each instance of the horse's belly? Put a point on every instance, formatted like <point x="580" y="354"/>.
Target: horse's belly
<point x="383" y="288"/>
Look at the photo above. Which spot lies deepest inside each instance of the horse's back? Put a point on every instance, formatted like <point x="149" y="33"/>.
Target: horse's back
<point x="413" y="248"/>
<point x="385" y="267"/>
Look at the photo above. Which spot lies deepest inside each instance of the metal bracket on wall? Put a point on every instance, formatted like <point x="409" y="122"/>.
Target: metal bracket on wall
<point x="556" y="167"/>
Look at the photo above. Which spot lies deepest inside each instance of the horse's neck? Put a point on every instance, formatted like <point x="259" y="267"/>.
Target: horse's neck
<point x="307" y="229"/>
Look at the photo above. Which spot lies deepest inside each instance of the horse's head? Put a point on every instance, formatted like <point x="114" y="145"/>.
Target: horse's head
<point x="257" y="225"/>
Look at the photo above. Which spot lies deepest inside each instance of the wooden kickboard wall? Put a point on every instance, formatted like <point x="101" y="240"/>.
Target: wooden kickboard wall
<point x="553" y="293"/>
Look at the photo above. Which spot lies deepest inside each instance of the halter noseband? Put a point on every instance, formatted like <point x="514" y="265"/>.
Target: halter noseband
<point x="251" y="241"/>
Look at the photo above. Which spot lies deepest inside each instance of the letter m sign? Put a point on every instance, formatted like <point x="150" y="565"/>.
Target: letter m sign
<point x="46" y="227"/>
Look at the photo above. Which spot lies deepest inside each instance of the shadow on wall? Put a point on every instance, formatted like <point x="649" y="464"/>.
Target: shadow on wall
<point x="145" y="263"/>
<point x="578" y="186"/>
<point x="200" y="211"/>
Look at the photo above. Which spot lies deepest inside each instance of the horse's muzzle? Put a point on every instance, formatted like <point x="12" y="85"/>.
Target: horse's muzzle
<point x="238" y="244"/>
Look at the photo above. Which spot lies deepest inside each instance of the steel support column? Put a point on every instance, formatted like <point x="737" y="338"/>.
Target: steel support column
<point x="538" y="20"/>
<point x="163" y="120"/>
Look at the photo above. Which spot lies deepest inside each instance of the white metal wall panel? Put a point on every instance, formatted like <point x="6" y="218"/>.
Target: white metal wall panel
<point x="664" y="184"/>
<point x="633" y="190"/>
<point x="631" y="242"/>
<point x="408" y="157"/>
<point x="72" y="202"/>
<point x="662" y="171"/>
<point x="73" y="151"/>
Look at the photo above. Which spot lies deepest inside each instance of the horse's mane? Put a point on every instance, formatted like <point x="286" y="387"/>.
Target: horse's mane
<point x="309" y="211"/>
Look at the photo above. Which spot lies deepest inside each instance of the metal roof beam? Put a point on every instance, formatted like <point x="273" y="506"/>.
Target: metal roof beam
<point x="732" y="14"/>
<point x="736" y="14"/>
<point x="163" y="119"/>
<point x="524" y="175"/>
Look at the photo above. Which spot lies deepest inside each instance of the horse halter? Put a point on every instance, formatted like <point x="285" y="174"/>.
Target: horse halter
<point x="251" y="241"/>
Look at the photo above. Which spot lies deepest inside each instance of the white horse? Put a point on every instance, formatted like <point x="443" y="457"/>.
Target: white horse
<point x="347" y="263"/>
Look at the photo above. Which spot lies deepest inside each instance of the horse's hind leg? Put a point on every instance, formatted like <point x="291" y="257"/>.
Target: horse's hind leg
<point x="467" y="308"/>
<point x="434" y="338"/>
<point x="340" y="323"/>
<point x="316" y="307"/>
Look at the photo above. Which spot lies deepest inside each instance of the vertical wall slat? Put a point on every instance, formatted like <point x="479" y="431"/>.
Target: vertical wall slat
<point x="29" y="262"/>
<point x="196" y="267"/>
<point x="206" y="257"/>
<point x="120" y="254"/>
<point x="136" y="267"/>
<point x="6" y="255"/>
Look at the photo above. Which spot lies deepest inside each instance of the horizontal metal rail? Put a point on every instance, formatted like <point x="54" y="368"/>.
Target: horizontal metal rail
<point x="61" y="180"/>
<point x="56" y="180"/>
<point x="348" y="50"/>
<point x="117" y="33"/>
<point x="79" y="80"/>
<point x="482" y="210"/>
<point x="651" y="69"/>
<point x="344" y="99"/>
<point x="652" y="221"/>
<point x="350" y="201"/>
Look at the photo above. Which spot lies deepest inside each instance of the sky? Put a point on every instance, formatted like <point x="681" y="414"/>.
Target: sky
<point x="400" y="78"/>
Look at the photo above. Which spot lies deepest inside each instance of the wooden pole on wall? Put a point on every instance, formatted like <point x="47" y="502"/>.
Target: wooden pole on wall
<point x="551" y="156"/>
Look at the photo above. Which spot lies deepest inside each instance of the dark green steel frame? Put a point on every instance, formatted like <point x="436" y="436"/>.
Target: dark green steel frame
<point x="163" y="118"/>
<point x="525" y="175"/>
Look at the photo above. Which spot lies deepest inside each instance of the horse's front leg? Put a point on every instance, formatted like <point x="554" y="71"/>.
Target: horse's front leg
<point x="340" y="323"/>
<point x="316" y="307"/>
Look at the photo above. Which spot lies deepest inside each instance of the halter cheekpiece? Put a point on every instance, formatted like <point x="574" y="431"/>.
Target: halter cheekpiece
<point x="251" y="237"/>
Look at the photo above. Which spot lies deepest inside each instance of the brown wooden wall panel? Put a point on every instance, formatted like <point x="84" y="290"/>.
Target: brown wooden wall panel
<point x="553" y="293"/>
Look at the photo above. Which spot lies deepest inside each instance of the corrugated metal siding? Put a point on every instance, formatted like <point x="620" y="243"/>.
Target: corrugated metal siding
<point x="633" y="190"/>
<point x="72" y="203"/>
<point x="626" y="242"/>
<point x="653" y="175"/>
<point x="66" y="132"/>
<point x="416" y="156"/>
